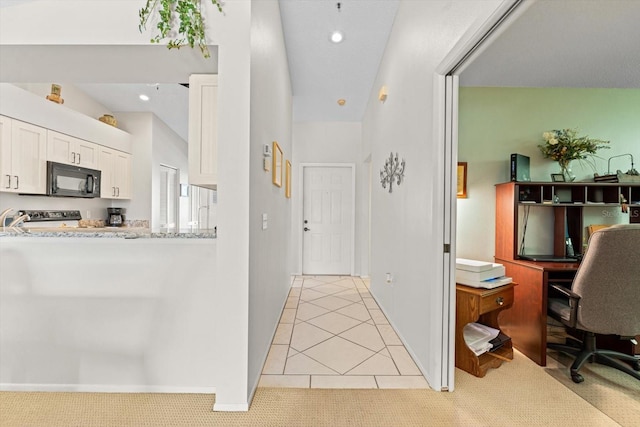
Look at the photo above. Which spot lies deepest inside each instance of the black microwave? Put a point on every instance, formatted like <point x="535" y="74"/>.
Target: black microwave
<point x="72" y="181"/>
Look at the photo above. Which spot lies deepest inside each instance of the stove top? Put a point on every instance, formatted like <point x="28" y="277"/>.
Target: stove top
<point x="38" y="216"/>
<point x="48" y="218"/>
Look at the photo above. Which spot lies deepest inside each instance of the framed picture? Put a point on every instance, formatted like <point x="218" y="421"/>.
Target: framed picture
<point x="557" y="177"/>
<point x="462" y="180"/>
<point x="287" y="181"/>
<point x="277" y="164"/>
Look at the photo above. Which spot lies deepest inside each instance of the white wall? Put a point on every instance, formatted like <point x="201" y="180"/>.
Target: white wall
<point x="495" y="122"/>
<point x="407" y="224"/>
<point x="270" y="249"/>
<point x="170" y="150"/>
<point x="328" y="142"/>
<point x="140" y="126"/>
<point x="141" y="323"/>
<point x="73" y="97"/>
<point x="154" y="143"/>
<point x="115" y="22"/>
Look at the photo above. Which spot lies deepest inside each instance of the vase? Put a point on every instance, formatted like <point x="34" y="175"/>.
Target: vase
<point x="567" y="173"/>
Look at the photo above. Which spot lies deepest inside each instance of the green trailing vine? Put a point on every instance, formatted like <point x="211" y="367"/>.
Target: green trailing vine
<point x="183" y="14"/>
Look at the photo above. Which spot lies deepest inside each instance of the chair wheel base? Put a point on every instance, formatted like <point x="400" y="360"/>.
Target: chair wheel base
<point x="576" y="377"/>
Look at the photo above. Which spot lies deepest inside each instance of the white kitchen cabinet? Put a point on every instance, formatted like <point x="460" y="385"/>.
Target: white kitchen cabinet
<point x="23" y="151"/>
<point x="203" y="130"/>
<point x="122" y="175"/>
<point x="67" y="149"/>
<point x="116" y="173"/>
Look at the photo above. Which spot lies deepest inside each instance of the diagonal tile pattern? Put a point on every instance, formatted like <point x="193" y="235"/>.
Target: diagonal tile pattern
<point x="332" y="334"/>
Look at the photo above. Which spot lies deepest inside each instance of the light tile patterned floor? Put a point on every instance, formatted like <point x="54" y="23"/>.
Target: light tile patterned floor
<point x="332" y="334"/>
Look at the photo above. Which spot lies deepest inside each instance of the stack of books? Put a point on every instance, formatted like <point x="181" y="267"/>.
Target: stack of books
<point x="480" y="274"/>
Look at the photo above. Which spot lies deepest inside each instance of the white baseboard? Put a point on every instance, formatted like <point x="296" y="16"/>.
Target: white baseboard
<point x="404" y="343"/>
<point x="106" y="388"/>
<point x="231" y="407"/>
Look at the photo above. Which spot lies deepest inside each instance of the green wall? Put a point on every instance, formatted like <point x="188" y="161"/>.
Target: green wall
<point x="495" y="122"/>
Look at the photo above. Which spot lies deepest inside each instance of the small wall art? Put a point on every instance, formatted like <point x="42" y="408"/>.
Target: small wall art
<point x="287" y="182"/>
<point x="462" y="180"/>
<point x="393" y="171"/>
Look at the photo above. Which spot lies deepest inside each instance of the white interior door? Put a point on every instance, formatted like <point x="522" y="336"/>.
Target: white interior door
<point x="327" y="214"/>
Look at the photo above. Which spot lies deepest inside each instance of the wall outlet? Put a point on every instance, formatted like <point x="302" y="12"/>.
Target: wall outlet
<point x="389" y="278"/>
<point x="88" y="215"/>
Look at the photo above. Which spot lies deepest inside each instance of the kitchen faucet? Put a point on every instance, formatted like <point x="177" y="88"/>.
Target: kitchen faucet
<point x="3" y="216"/>
<point x="15" y="224"/>
<point x="18" y="221"/>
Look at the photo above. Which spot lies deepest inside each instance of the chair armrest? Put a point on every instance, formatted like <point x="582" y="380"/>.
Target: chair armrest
<point x="573" y="301"/>
<point x="565" y="291"/>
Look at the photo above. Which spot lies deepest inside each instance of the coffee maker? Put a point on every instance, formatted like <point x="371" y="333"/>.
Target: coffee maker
<point x="115" y="217"/>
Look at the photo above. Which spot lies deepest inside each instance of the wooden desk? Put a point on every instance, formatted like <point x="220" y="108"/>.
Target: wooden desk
<point x="526" y="322"/>
<point x="482" y="306"/>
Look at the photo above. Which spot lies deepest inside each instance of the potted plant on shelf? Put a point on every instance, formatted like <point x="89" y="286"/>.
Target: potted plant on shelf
<point x="565" y="145"/>
<point x="178" y="21"/>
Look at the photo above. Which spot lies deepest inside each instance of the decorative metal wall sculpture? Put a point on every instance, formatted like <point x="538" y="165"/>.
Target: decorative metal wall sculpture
<point x="393" y="171"/>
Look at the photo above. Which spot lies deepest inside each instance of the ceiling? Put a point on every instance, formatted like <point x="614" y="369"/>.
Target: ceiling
<point x="323" y="72"/>
<point x="168" y="101"/>
<point x="569" y="43"/>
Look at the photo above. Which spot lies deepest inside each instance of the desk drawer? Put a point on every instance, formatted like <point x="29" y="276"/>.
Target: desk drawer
<point x="504" y="298"/>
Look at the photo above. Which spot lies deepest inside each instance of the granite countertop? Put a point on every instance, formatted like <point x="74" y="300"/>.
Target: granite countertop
<point x="114" y="232"/>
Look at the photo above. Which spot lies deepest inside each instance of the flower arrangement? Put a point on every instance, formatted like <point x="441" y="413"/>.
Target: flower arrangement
<point x="565" y="145"/>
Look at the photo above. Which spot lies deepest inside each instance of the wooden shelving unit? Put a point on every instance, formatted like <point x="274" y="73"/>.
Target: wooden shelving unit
<point x="567" y="200"/>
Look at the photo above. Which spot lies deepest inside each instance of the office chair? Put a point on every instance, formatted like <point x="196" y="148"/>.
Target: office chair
<point x="604" y="299"/>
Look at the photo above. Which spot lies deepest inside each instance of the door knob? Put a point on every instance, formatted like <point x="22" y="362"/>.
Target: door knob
<point x="307" y="229"/>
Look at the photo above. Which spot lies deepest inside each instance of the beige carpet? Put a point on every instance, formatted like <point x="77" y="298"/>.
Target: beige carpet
<point x="519" y="393"/>
<point x="611" y="391"/>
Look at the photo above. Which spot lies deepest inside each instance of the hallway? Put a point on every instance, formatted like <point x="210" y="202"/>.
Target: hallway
<point x="332" y="334"/>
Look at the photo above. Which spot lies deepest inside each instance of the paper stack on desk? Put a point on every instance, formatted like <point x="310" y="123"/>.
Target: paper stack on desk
<point x="477" y="337"/>
<point x="480" y="274"/>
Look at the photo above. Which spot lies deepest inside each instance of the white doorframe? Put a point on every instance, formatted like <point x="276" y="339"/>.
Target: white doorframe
<point x="446" y="85"/>
<point x="352" y="217"/>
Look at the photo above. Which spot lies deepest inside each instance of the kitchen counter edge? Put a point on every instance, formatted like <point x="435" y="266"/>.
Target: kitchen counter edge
<point x="121" y="234"/>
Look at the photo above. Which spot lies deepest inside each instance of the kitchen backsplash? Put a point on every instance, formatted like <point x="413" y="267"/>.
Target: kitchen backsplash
<point x="92" y="210"/>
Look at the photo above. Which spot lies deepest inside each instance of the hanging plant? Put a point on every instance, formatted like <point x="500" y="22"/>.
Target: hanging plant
<point x="183" y="14"/>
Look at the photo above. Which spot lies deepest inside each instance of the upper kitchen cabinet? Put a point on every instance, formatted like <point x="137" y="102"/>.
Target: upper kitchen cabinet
<point x="23" y="153"/>
<point x="203" y="130"/>
<point x="116" y="173"/>
<point x="67" y="149"/>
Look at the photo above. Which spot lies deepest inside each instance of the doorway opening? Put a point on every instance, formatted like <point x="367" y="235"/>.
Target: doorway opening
<point x="169" y="184"/>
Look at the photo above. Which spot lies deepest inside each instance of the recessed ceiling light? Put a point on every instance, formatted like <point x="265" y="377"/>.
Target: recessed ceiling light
<point x="144" y="97"/>
<point x="341" y="102"/>
<point x="337" y="37"/>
